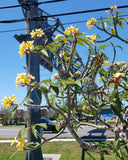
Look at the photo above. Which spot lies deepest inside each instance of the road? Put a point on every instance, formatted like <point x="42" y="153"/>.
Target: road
<point x="10" y="132"/>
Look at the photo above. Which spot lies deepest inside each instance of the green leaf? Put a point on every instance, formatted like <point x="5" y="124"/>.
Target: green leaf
<point x="103" y="47"/>
<point x="80" y="43"/>
<point x="33" y="145"/>
<point x="44" y="52"/>
<point x="53" y="103"/>
<point x="52" y="49"/>
<point x="80" y="34"/>
<point x="55" y="88"/>
<point x="66" y="81"/>
<point x="28" y="100"/>
<point x="28" y="93"/>
<point x="119" y="23"/>
<point x="34" y="131"/>
<point x="14" y="110"/>
<point x="39" y="94"/>
<point x="113" y="31"/>
<point x="44" y="86"/>
<point x="37" y="47"/>
<point x="78" y="82"/>
<point x="41" y="125"/>
<point x="57" y="127"/>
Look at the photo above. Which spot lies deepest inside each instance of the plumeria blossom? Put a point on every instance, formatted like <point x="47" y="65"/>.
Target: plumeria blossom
<point x="8" y="101"/>
<point x="112" y="85"/>
<point x="55" y="76"/>
<point x="85" y="107"/>
<point x="92" y="37"/>
<point x="117" y="77"/>
<point x="71" y="31"/>
<point x="113" y="7"/>
<point x="19" y="143"/>
<point x="121" y="63"/>
<point x="106" y="63"/>
<point x="78" y="73"/>
<point x="23" y="79"/>
<point x="99" y="79"/>
<point x="38" y="33"/>
<point x="58" y="36"/>
<point x="26" y="48"/>
<point x="90" y="23"/>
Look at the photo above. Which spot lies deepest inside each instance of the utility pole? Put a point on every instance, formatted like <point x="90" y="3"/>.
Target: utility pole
<point x="30" y="9"/>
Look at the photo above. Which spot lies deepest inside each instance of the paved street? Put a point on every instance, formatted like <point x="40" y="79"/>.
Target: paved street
<point x="10" y="132"/>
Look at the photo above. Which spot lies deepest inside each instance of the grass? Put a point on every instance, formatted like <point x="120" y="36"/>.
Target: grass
<point x="68" y="151"/>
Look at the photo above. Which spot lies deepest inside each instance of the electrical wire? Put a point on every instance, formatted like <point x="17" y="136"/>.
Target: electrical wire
<point x="23" y="5"/>
<point x="68" y="23"/>
<point x="40" y="18"/>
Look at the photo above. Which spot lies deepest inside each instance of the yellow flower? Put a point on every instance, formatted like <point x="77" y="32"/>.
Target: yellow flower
<point x="106" y="63"/>
<point x="30" y="76"/>
<point x="67" y="32"/>
<point x="26" y="47"/>
<point x="19" y="143"/>
<point x="71" y="30"/>
<point x="121" y="63"/>
<point x="14" y="141"/>
<point x="107" y="11"/>
<point x="112" y="85"/>
<point x="99" y="79"/>
<point x="55" y="76"/>
<point x="23" y="79"/>
<point x="74" y="30"/>
<point x="126" y="86"/>
<point x="91" y="22"/>
<point x="58" y="36"/>
<point x="37" y="33"/>
<point x="8" y="101"/>
<point x="112" y="8"/>
<point x="85" y="107"/>
<point x="119" y="75"/>
<point x="93" y="37"/>
<point x="115" y="7"/>
<point x="78" y="73"/>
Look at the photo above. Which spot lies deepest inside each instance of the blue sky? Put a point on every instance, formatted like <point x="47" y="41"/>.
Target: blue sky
<point x="10" y="61"/>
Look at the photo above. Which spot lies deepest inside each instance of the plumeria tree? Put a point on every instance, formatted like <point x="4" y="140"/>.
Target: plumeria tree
<point x="98" y="82"/>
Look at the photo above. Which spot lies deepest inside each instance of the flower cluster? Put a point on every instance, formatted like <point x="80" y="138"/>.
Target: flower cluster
<point x="71" y="31"/>
<point x="19" y="143"/>
<point x="90" y="23"/>
<point x="23" y="79"/>
<point x="38" y="33"/>
<point x="26" y="47"/>
<point x="92" y="37"/>
<point x="117" y="78"/>
<point x="55" y="76"/>
<point x="8" y="101"/>
<point x="111" y="9"/>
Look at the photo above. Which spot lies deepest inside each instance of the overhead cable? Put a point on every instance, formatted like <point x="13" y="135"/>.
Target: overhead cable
<point x="74" y="22"/>
<point x="40" y="18"/>
<point x="24" y="4"/>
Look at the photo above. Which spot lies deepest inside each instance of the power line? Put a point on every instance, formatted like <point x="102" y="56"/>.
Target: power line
<point x="36" y="3"/>
<point x="40" y="18"/>
<point x="82" y="21"/>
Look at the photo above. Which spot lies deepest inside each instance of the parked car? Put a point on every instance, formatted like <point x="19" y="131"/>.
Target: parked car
<point x="50" y="125"/>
